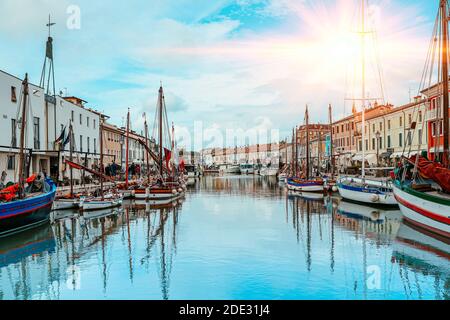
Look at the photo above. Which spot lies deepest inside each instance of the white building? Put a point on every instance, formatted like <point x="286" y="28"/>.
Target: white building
<point x="46" y="118"/>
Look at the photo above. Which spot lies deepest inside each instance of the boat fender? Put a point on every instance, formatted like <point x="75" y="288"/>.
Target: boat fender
<point x="174" y="191"/>
<point x="180" y="190"/>
<point x="334" y="188"/>
<point x="374" y="198"/>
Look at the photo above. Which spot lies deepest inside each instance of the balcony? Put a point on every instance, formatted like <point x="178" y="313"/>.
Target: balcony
<point x="433" y="114"/>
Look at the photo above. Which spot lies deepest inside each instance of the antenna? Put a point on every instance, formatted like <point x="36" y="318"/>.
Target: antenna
<point x="48" y="72"/>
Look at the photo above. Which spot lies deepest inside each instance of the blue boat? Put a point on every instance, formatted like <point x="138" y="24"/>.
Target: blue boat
<point x="29" y="212"/>
<point x="22" y="208"/>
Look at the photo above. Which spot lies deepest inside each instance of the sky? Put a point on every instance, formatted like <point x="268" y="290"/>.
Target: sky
<point x="226" y="64"/>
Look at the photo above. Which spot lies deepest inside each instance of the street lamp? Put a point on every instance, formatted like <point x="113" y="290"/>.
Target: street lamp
<point x="378" y="147"/>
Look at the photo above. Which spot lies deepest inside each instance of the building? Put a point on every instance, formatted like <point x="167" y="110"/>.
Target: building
<point x="48" y="119"/>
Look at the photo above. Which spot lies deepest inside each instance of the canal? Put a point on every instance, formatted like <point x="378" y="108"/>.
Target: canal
<point x="240" y="237"/>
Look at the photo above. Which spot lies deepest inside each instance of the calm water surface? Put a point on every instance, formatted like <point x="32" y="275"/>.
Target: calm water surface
<point x="230" y="238"/>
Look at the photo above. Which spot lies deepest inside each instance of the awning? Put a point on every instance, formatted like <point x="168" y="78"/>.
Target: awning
<point x="357" y="157"/>
<point x="396" y="155"/>
<point x="371" y="158"/>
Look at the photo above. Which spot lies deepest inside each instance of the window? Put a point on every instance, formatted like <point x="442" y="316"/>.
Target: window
<point x="81" y="118"/>
<point x="409" y="139"/>
<point x="81" y="143"/>
<point x="389" y="124"/>
<point x="13" y="133"/>
<point x="94" y="123"/>
<point x="37" y="140"/>
<point x="360" y="145"/>
<point x="420" y="136"/>
<point x="409" y="118"/>
<point x="337" y="128"/>
<point x="373" y="127"/>
<point x="95" y="145"/>
<point x="388" y="141"/>
<point x="73" y="116"/>
<point x="400" y="139"/>
<point x="353" y="125"/>
<point x="11" y="162"/>
<point x="367" y="144"/>
<point x="420" y="116"/>
<point x="13" y="94"/>
<point x="401" y="121"/>
<point x="380" y="143"/>
<point x="373" y="143"/>
<point x="88" y="145"/>
<point x="87" y="121"/>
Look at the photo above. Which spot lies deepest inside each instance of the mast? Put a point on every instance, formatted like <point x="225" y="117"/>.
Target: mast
<point x="126" y="149"/>
<point x="292" y="154"/>
<point x="331" y="139"/>
<point x="296" y="152"/>
<point x="444" y="52"/>
<point x="160" y="130"/>
<point x="363" y="98"/>
<point x="101" y="158"/>
<point x="307" y="142"/>
<point x="146" y="142"/>
<point x="22" y="138"/>
<point x="71" y="156"/>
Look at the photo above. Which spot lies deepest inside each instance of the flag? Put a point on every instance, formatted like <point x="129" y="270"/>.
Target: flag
<point x="66" y="141"/>
<point x="181" y="165"/>
<point x="61" y="137"/>
<point x="167" y="156"/>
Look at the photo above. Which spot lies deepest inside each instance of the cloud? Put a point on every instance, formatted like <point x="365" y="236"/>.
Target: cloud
<point x="221" y="62"/>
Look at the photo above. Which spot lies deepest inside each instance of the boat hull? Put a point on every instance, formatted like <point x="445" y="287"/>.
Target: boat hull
<point x="91" y="205"/>
<point x="424" y="212"/>
<point x="306" y="186"/>
<point x="24" y="214"/>
<point x="366" y="195"/>
<point x="66" y="204"/>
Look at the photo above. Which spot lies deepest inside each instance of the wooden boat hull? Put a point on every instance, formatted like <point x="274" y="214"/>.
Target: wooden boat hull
<point x="157" y="194"/>
<point x="20" y="215"/>
<point x="66" y="204"/>
<point x="305" y="186"/>
<point x="424" y="210"/>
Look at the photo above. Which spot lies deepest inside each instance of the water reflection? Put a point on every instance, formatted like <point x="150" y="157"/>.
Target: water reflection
<point x="232" y="237"/>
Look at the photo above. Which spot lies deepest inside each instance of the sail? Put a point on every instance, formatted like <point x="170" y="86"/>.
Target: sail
<point x="434" y="171"/>
<point x="81" y="167"/>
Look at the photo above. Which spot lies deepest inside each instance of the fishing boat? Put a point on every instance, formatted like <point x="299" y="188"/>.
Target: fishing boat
<point x="422" y="187"/>
<point x="304" y="183"/>
<point x="367" y="190"/>
<point x="23" y="207"/>
<point x="169" y="184"/>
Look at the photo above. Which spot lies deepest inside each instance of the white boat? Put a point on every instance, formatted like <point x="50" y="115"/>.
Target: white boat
<point x="97" y="203"/>
<point x="429" y="210"/>
<point x="246" y="168"/>
<point x="360" y="211"/>
<point x="369" y="192"/>
<point x="66" y="204"/>
<point x="191" y="170"/>
<point x="303" y="185"/>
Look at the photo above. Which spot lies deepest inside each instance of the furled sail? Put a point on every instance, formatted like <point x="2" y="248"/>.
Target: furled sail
<point x="434" y="171"/>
